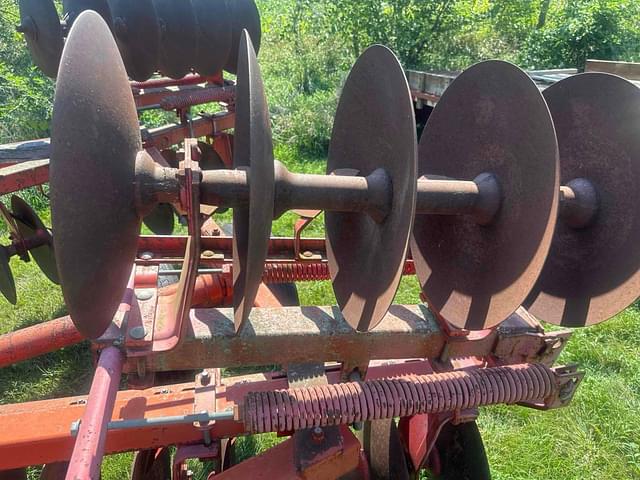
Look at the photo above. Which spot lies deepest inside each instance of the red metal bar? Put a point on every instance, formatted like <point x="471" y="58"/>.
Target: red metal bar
<point x="190" y="98"/>
<point x="90" y="444"/>
<point x="191" y="79"/>
<point x="23" y="175"/>
<point x="165" y="137"/>
<point x="37" y="340"/>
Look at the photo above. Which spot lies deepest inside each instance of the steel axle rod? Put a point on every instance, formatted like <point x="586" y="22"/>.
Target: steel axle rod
<point x="344" y="191"/>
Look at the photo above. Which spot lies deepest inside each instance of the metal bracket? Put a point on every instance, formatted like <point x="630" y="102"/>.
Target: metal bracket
<point x="568" y="379"/>
<point x="306" y="217"/>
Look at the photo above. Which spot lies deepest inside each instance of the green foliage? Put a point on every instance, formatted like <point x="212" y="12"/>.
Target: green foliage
<point x="25" y="93"/>
<point x="602" y="29"/>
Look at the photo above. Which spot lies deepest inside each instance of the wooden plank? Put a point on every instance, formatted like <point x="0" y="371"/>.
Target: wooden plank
<point x="628" y="70"/>
<point x="24" y="151"/>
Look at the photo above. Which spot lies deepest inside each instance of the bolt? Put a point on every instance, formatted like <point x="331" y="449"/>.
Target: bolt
<point x="138" y="333"/>
<point x="144" y="295"/>
<point x="317" y="435"/>
<point x="205" y="377"/>
<point x="208" y="254"/>
<point x="307" y="254"/>
<point x="146" y="256"/>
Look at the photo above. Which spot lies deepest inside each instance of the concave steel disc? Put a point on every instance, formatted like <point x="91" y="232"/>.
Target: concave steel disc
<point x="244" y="16"/>
<point x="254" y="149"/>
<point x="94" y="142"/>
<point x="137" y="32"/>
<point x="29" y="223"/>
<point x="42" y="30"/>
<point x="374" y="129"/>
<point x="73" y="8"/>
<point x="592" y="273"/>
<point x="7" y="283"/>
<point x="214" y="35"/>
<point x="491" y="119"/>
<point x="178" y="37"/>
<point x="161" y="220"/>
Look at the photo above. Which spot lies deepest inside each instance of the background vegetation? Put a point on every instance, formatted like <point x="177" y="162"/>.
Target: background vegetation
<point x="308" y="47"/>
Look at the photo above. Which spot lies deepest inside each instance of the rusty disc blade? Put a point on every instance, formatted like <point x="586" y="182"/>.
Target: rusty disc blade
<point x="137" y="32"/>
<point x="161" y="220"/>
<point x="29" y="224"/>
<point x="94" y="142"/>
<point x="7" y="283"/>
<point x="592" y="273"/>
<point x="42" y="30"/>
<point x="254" y="149"/>
<point x="214" y="35"/>
<point x="73" y="8"/>
<point x="374" y="129"/>
<point x="491" y="119"/>
<point x="244" y="16"/>
<point x="178" y="40"/>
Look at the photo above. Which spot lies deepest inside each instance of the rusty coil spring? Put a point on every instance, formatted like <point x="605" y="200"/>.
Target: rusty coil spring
<point x="197" y="97"/>
<point x="307" y="272"/>
<point x="345" y="403"/>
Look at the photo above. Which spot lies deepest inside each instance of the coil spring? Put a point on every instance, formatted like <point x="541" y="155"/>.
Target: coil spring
<point x="306" y="272"/>
<point x="197" y="97"/>
<point x="345" y="403"/>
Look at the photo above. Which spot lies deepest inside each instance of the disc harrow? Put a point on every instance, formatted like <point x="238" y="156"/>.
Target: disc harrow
<point x="174" y="37"/>
<point x="514" y="205"/>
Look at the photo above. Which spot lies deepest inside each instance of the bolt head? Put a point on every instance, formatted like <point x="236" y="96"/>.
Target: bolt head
<point x="307" y="254"/>
<point x="146" y="256"/>
<point x="138" y="333"/>
<point x="317" y="435"/>
<point x="205" y="377"/>
<point x="144" y="295"/>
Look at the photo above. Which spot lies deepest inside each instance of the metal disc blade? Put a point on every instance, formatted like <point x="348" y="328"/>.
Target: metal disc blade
<point x="592" y="273"/>
<point x="7" y="283"/>
<point x="95" y="139"/>
<point x="244" y="16"/>
<point x="214" y="35"/>
<point x="491" y="119"/>
<point x="138" y="35"/>
<point x="42" y="30"/>
<point x="29" y="224"/>
<point x="161" y="220"/>
<point x="374" y="129"/>
<point x="254" y="149"/>
<point x="178" y="39"/>
<point x="73" y="8"/>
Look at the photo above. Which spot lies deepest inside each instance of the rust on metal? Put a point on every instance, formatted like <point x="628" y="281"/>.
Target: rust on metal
<point x="253" y="149"/>
<point x="136" y="29"/>
<point x="366" y="255"/>
<point x="41" y="27"/>
<point x="474" y="275"/>
<point x="73" y="8"/>
<point x="31" y="227"/>
<point x="460" y="390"/>
<point x="199" y="96"/>
<point x="244" y="15"/>
<point x="592" y="273"/>
<point x="178" y="37"/>
<point x="213" y="35"/>
<point x="95" y="140"/>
